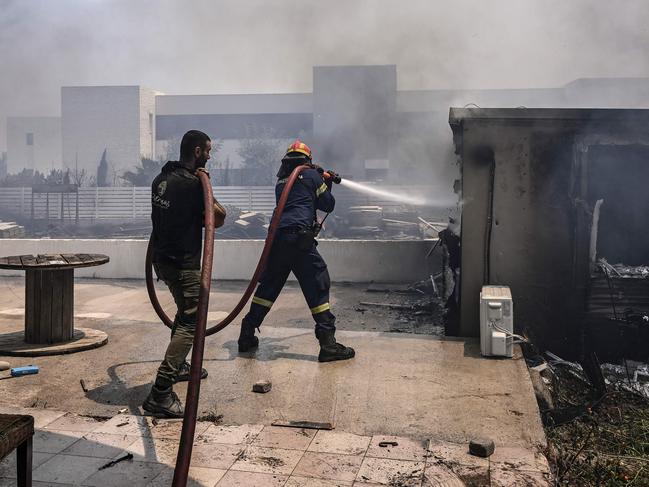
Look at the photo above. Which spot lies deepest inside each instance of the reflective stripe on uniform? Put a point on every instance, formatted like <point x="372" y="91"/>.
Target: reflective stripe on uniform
<point x="320" y="309"/>
<point x="262" y="302"/>
<point x="321" y="189"/>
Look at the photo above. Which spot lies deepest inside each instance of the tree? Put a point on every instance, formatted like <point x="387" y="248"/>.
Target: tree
<point x="55" y="176"/>
<point x="260" y="151"/>
<point x="144" y="173"/>
<point x="102" y="171"/>
<point x="79" y="177"/>
<point x="23" y="179"/>
<point x="3" y="165"/>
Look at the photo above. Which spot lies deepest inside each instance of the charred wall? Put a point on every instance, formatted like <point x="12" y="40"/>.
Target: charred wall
<point x="527" y="210"/>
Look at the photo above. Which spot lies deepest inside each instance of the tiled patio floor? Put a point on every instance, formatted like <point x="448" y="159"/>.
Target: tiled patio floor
<point x="69" y="449"/>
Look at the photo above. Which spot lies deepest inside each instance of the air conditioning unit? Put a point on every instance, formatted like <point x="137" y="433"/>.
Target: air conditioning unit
<point x="496" y="321"/>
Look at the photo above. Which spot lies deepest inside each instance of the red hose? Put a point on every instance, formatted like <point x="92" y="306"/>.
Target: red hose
<point x="272" y="230"/>
<point x="193" y="388"/>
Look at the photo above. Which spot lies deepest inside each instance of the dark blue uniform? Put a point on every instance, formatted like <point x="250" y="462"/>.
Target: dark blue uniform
<point x="308" y="194"/>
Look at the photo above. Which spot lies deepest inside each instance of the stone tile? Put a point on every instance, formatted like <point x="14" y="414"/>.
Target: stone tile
<point x="51" y="441"/>
<point x="231" y="435"/>
<point x="391" y="472"/>
<point x="8" y="463"/>
<point x="156" y="450"/>
<point x="339" y="442"/>
<point x="127" y="424"/>
<point x="198" y="477"/>
<point x="12" y="483"/>
<point x="234" y="478"/>
<point x="440" y="476"/>
<point x="449" y="454"/>
<point x="128" y="473"/>
<point x="67" y="469"/>
<point x="329" y="466"/>
<point x="100" y="445"/>
<point x="520" y="458"/>
<point x="215" y="455"/>
<point x="287" y="438"/>
<point x="508" y="477"/>
<point x="472" y="475"/>
<point x="268" y="460"/>
<point x="50" y="484"/>
<point x="309" y="482"/>
<point x="72" y="422"/>
<point x="171" y="429"/>
<point x="44" y="417"/>
<point x="406" y="449"/>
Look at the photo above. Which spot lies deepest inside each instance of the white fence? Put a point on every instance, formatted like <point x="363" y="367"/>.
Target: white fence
<point x="118" y="203"/>
<point x="126" y="203"/>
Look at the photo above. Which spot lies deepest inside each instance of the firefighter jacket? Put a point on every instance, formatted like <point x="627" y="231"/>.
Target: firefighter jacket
<point x="309" y="193"/>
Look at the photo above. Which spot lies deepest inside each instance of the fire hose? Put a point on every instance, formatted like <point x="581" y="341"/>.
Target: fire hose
<point x="193" y="389"/>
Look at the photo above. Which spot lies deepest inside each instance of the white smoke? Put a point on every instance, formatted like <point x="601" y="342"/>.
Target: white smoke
<point x="266" y="46"/>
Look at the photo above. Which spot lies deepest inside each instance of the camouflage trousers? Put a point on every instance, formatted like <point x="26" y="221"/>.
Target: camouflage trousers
<point x="184" y="285"/>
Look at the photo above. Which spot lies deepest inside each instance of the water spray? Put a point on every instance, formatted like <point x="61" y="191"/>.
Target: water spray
<point x="389" y="195"/>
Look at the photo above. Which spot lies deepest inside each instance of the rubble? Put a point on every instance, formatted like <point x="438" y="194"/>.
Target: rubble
<point x="398" y="223"/>
<point x="11" y="230"/>
<point x="243" y="225"/>
<point x="594" y="437"/>
<point x="481" y="447"/>
<point x="624" y="271"/>
<point x="262" y="386"/>
<point x="632" y="376"/>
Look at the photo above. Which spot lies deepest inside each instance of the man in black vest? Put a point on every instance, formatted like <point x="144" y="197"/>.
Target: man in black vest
<point x="177" y="216"/>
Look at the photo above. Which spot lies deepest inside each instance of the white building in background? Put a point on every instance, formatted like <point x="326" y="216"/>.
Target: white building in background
<point x="33" y="143"/>
<point x="118" y="119"/>
<point x="231" y="119"/>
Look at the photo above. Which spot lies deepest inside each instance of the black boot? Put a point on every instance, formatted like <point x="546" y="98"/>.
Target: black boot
<point x="163" y="403"/>
<point x="183" y="373"/>
<point x="247" y="339"/>
<point x="330" y="350"/>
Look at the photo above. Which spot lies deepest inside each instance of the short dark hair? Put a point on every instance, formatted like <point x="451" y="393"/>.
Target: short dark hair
<point x="191" y="140"/>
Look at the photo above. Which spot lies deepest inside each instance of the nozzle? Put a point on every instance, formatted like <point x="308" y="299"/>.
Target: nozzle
<point x="334" y="177"/>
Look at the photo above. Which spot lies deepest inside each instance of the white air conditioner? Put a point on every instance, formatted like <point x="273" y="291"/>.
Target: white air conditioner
<point x="496" y="321"/>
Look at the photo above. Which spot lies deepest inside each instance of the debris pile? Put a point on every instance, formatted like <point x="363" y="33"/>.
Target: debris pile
<point x="597" y="435"/>
<point x="623" y="270"/>
<point x="242" y="225"/>
<point x="631" y="376"/>
<point x="377" y="222"/>
<point x="11" y="230"/>
<point x="416" y="308"/>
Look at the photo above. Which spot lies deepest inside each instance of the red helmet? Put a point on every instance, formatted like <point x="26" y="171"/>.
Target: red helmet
<point x="300" y="147"/>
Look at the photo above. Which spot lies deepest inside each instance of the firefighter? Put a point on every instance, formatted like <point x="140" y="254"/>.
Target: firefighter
<point x="177" y="217"/>
<point x="294" y="249"/>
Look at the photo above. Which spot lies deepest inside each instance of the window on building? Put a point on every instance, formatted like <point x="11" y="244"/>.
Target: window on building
<point x="30" y="138"/>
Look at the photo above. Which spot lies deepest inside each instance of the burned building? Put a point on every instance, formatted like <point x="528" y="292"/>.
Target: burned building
<point x="552" y="201"/>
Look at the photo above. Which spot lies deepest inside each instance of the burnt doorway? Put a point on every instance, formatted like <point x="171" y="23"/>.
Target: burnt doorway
<point x="619" y="175"/>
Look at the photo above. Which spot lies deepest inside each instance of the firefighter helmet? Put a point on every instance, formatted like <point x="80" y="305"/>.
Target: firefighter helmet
<point x="299" y="147"/>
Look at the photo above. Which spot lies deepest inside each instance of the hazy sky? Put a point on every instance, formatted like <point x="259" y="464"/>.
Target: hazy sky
<point x="270" y="46"/>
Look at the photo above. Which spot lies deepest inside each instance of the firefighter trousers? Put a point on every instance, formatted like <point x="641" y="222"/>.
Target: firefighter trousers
<point x="311" y="272"/>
